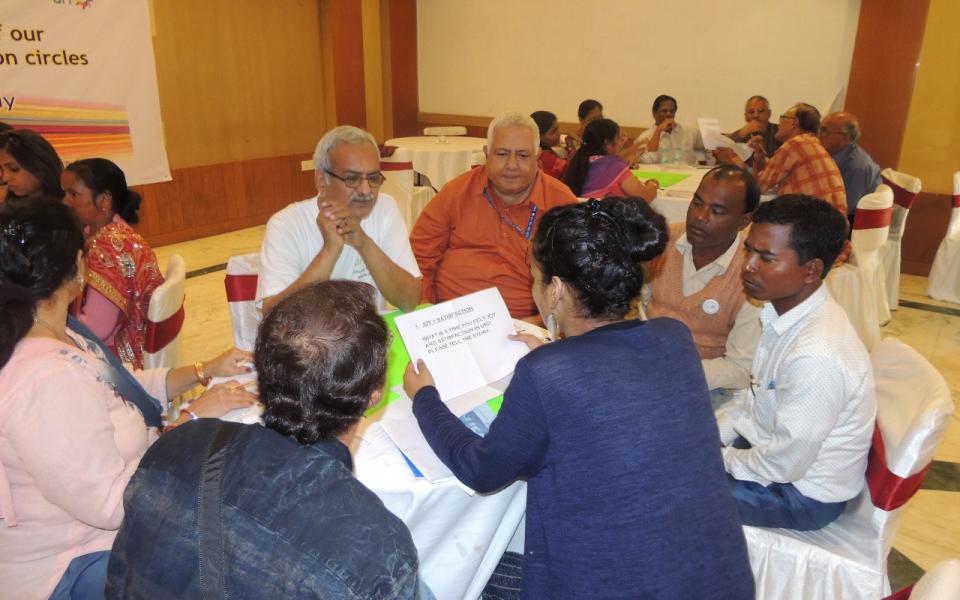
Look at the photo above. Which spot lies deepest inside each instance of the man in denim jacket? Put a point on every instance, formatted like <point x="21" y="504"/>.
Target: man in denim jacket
<point x="295" y="522"/>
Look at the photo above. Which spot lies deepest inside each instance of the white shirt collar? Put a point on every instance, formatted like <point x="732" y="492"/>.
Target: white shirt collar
<point x="722" y="262"/>
<point x="783" y="323"/>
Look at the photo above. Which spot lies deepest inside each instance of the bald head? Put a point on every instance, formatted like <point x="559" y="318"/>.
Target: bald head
<point x="838" y="130"/>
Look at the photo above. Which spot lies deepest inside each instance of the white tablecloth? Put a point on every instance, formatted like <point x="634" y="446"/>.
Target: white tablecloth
<point x="460" y="536"/>
<point x="440" y="162"/>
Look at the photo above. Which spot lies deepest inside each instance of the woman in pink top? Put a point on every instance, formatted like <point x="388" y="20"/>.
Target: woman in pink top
<point x="598" y="169"/>
<point x="69" y="441"/>
<point x="122" y="269"/>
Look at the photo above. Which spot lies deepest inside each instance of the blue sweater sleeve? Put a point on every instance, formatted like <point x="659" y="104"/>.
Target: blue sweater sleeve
<point x="514" y="447"/>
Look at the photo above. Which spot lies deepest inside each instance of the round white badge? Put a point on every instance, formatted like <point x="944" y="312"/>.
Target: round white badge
<point x="711" y="306"/>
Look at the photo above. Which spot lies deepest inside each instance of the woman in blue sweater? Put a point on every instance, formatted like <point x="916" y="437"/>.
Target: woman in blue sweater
<point x="610" y="426"/>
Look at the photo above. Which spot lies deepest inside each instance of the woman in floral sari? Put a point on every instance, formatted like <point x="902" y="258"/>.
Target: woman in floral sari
<point x="122" y="268"/>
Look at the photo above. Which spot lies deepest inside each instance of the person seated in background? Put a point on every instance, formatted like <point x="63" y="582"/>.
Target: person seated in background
<point x="347" y="231"/>
<point x="801" y="165"/>
<point x="573" y="414"/>
<point x="796" y="447"/>
<point x="299" y="524"/>
<point x="667" y="140"/>
<point x="839" y="133"/>
<point x="697" y="279"/>
<point x="122" y="270"/>
<point x="597" y="169"/>
<point x="548" y="160"/>
<point x="589" y="110"/>
<point x="29" y="166"/>
<point x="476" y="232"/>
<point x="756" y="116"/>
<point x="74" y="422"/>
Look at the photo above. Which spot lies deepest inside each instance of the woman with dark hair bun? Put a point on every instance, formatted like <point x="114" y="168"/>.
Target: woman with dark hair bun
<point x="122" y="268"/>
<point x="611" y="426"/>
<point x="29" y="166"/>
<point x="73" y="425"/>
<point x="598" y="170"/>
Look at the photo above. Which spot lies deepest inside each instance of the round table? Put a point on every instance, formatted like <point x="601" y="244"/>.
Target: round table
<point x="440" y="158"/>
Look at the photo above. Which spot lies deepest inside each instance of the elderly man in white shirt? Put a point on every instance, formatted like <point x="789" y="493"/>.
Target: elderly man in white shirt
<point x="347" y="231"/>
<point x="697" y="279"/>
<point x="796" y="449"/>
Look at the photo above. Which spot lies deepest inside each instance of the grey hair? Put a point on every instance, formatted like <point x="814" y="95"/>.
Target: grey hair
<point x="760" y="98"/>
<point x="851" y="129"/>
<point x="344" y="134"/>
<point x="513" y="119"/>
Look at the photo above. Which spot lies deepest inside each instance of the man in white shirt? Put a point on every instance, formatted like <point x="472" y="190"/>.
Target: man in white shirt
<point x="667" y="140"/>
<point x="347" y="231"/>
<point x="697" y="279"/>
<point x="796" y="449"/>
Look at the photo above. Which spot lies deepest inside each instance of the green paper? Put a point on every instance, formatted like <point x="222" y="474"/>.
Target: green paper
<point x="663" y="178"/>
<point x="397" y="359"/>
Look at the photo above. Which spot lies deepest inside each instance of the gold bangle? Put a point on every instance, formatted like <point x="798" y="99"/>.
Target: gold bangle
<point x="198" y="371"/>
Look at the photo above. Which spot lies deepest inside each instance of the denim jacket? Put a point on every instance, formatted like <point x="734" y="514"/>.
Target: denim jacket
<point x="297" y="524"/>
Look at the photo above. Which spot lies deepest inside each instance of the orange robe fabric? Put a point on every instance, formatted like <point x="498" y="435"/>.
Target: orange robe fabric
<point x="463" y="246"/>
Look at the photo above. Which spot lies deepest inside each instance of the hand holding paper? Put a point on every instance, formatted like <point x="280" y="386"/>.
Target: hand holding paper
<point x="464" y="342"/>
<point x="713" y="138"/>
<point x="416" y="377"/>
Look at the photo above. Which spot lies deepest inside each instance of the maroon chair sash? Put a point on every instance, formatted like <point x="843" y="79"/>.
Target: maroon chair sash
<point x="396" y="166"/>
<point x="887" y="490"/>
<point x="900" y="195"/>
<point x="162" y="333"/>
<point x="241" y="288"/>
<point x="872" y="218"/>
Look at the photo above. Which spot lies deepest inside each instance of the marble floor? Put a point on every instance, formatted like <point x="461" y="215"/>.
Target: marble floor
<point x="930" y="529"/>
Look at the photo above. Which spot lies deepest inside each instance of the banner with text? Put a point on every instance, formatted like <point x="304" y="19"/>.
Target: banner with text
<point x="81" y="73"/>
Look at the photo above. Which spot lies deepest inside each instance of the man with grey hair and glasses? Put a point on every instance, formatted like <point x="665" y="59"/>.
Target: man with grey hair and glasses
<point x="349" y="230"/>
<point x="476" y="232"/>
<point x="839" y="134"/>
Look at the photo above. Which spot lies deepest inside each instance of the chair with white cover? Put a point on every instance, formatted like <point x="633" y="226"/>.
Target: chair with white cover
<point x="848" y="558"/>
<point x="164" y="334"/>
<point x="944" y="281"/>
<point x="905" y="189"/>
<point x="446" y="130"/>
<point x="399" y="183"/>
<point x="241" y="284"/>
<point x="858" y="284"/>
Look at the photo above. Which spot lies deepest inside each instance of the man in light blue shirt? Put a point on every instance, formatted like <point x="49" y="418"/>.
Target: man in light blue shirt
<point x="839" y="133"/>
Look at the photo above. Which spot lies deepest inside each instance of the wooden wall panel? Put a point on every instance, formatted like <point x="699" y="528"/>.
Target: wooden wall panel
<point x="238" y="80"/>
<point x="477" y="126"/>
<point x="346" y="36"/>
<point x="885" y="56"/>
<point x="401" y="34"/>
<point x="926" y="226"/>
<point x="211" y="199"/>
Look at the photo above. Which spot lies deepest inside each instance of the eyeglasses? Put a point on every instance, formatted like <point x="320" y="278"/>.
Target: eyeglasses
<point x="825" y="132"/>
<point x="353" y="180"/>
<point x="794" y="117"/>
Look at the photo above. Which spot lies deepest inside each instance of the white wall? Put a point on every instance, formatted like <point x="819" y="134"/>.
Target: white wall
<point x="482" y="57"/>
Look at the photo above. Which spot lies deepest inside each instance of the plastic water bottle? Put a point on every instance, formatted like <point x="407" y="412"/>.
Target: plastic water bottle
<point x="667" y="150"/>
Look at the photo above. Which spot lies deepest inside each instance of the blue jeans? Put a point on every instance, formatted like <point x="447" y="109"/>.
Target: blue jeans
<point x="779" y="504"/>
<point x="504" y="583"/>
<point x="84" y="579"/>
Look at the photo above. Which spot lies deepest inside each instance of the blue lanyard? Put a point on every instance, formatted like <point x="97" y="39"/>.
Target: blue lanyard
<point x="533" y="216"/>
